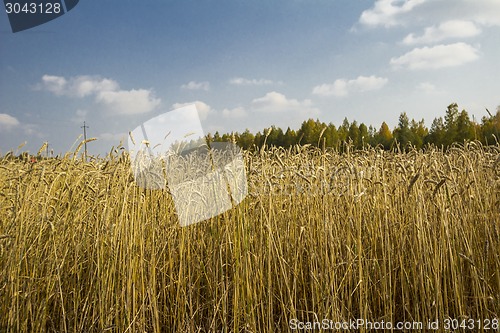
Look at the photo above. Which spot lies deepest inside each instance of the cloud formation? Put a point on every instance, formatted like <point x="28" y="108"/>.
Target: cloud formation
<point x="435" y="57"/>
<point x="392" y="13"/>
<point x="128" y="102"/>
<point x="106" y="92"/>
<point x="194" y="85"/>
<point x="342" y="87"/>
<point x="203" y="109"/>
<point x="446" y="30"/>
<point x="274" y="102"/>
<point x="484" y="12"/>
<point x="54" y="84"/>
<point x="387" y="12"/>
<point x="10" y="123"/>
<point x="7" y="122"/>
<point x="239" y="81"/>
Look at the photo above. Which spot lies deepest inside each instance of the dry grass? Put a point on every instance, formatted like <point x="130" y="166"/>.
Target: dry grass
<point x="368" y="234"/>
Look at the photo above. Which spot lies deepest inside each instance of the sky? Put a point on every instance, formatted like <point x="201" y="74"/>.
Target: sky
<point x="245" y="64"/>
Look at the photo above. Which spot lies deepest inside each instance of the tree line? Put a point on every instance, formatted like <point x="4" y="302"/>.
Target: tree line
<point x="455" y="127"/>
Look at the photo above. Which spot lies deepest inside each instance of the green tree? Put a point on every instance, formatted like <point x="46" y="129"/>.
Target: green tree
<point x="372" y="133"/>
<point x="402" y="133"/>
<point x="275" y="137"/>
<point x="309" y="131"/>
<point x="217" y="137"/>
<point x="490" y="128"/>
<point x="258" y="140"/>
<point x="363" y="136"/>
<point x="418" y="133"/>
<point x="450" y="124"/>
<point x="437" y="132"/>
<point x="465" y="127"/>
<point x="290" y="138"/>
<point x="343" y="131"/>
<point x="246" y="139"/>
<point x="355" y="134"/>
<point x="306" y="131"/>
<point x="331" y="135"/>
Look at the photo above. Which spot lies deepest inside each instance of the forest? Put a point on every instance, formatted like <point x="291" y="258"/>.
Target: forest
<point x="455" y="127"/>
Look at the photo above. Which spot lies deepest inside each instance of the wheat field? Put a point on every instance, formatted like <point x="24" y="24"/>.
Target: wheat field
<point x="385" y="236"/>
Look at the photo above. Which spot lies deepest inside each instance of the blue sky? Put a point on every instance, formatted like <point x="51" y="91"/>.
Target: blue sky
<point x="246" y="64"/>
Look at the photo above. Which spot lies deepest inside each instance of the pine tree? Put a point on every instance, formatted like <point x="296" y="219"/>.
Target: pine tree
<point x="450" y="124"/>
<point x="246" y="139"/>
<point x="363" y="136"/>
<point x="354" y="134"/>
<point x="465" y="127"/>
<point x="402" y="133"/>
<point x="437" y="133"/>
<point x="290" y="138"/>
<point x="418" y="133"/>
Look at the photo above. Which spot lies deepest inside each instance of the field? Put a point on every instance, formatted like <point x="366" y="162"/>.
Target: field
<point x="385" y="236"/>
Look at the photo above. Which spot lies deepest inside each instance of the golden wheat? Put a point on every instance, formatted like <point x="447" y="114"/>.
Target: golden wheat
<point x="367" y="234"/>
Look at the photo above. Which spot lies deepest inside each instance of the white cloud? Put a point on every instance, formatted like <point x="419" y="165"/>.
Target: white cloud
<point x="485" y="12"/>
<point x="237" y="112"/>
<point x="239" y="81"/>
<point x="193" y="85"/>
<point x="7" y="122"/>
<point x="128" y="102"/>
<point x="83" y="86"/>
<point x="203" y="109"/>
<point x="387" y="12"/>
<point x="54" y="84"/>
<point x="80" y="86"/>
<point x="367" y="83"/>
<point x="106" y="92"/>
<point x="448" y="29"/>
<point x="337" y="88"/>
<point x="274" y="102"/>
<point x="342" y="87"/>
<point x="435" y="57"/>
<point x="272" y="108"/>
<point x="391" y="13"/>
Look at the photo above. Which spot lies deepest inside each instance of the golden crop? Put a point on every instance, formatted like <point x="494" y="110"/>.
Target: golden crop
<point x="368" y="234"/>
